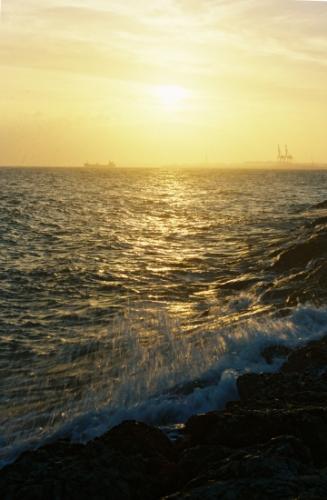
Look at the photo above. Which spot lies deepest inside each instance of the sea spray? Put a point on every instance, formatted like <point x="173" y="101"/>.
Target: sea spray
<point x="154" y="374"/>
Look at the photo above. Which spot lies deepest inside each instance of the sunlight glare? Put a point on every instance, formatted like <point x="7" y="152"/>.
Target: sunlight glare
<point x="171" y="96"/>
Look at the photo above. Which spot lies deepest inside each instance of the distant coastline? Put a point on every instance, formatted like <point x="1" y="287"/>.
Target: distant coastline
<point x="275" y="165"/>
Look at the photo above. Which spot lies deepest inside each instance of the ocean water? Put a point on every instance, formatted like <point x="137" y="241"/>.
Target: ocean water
<point x="144" y="293"/>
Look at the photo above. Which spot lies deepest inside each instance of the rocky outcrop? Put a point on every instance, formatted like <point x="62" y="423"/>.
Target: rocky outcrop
<point x="299" y="268"/>
<point x="270" y="444"/>
<point x="299" y="254"/>
<point x="311" y="359"/>
<point x="321" y="205"/>
<point x="132" y="461"/>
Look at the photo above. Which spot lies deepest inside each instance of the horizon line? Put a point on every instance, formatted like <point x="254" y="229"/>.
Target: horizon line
<point x="229" y="164"/>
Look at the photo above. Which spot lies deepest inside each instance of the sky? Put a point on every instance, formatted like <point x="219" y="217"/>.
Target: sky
<point x="162" y="82"/>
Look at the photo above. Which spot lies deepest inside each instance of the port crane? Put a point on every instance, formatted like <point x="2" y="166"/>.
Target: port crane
<point x="284" y="157"/>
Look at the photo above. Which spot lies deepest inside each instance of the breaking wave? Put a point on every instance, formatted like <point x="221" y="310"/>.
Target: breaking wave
<point x="161" y="382"/>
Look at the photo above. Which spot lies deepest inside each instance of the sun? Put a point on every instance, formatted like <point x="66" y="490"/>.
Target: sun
<point x="171" y="97"/>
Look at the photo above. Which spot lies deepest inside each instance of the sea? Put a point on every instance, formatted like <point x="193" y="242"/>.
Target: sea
<point x="144" y="293"/>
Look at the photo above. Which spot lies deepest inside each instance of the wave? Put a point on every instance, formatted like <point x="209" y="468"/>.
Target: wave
<point x="165" y="378"/>
<point x="300" y="266"/>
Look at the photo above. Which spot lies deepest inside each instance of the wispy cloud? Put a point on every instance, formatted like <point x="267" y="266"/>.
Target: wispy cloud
<point x="69" y="59"/>
<point x="176" y="29"/>
<point x="173" y="40"/>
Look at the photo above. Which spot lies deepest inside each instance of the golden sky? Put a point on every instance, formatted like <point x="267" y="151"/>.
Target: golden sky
<point x="162" y="81"/>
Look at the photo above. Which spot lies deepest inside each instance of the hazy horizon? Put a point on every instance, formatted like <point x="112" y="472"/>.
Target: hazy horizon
<point x="261" y="165"/>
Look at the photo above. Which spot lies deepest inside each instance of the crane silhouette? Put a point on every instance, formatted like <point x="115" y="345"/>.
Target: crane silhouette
<point x="284" y="157"/>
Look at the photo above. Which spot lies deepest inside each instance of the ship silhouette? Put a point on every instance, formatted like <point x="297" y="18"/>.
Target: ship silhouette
<point x="110" y="164"/>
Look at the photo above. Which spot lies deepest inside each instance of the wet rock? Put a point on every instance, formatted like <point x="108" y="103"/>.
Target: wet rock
<point x="135" y="438"/>
<point x="312" y="357"/>
<point x="195" y="461"/>
<point x="278" y="390"/>
<point x="322" y="204"/>
<point x="253" y="386"/>
<point x="308" y="487"/>
<point x="249" y="427"/>
<point x="139" y="469"/>
<point x="319" y="221"/>
<point x="300" y="254"/>
<point x="308" y="284"/>
<point x="249" y="473"/>
<point x="238" y="284"/>
<point x="272" y="352"/>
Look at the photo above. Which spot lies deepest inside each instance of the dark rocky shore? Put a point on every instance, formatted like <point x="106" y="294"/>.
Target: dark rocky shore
<point x="272" y="443"/>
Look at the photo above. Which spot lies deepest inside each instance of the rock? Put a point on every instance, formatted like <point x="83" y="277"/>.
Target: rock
<point x="309" y="487"/>
<point x="247" y="427"/>
<point x="276" y="469"/>
<point x="138" y="469"/>
<point x="312" y="357"/>
<point x="322" y="204"/>
<point x="320" y="221"/>
<point x="238" y="284"/>
<point x="275" y="351"/>
<point x="135" y="438"/>
<point x="195" y="460"/>
<point x="298" y="255"/>
<point x="255" y="387"/>
<point x="281" y="390"/>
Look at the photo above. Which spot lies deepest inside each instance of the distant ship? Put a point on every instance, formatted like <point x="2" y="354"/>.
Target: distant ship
<point x="110" y="164"/>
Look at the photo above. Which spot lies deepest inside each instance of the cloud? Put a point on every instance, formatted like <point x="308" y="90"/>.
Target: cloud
<point x="94" y="62"/>
<point x="139" y="40"/>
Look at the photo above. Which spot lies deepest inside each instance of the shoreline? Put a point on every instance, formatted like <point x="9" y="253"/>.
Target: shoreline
<point x="271" y="443"/>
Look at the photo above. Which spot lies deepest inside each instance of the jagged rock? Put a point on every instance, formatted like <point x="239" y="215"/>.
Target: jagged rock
<point x="308" y="487"/>
<point x="101" y="469"/>
<point x="300" y="254"/>
<point x="195" y="460"/>
<point x="133" y="437"/>
<point x="312" y="357"/>
<point x="273" y="470"/>
<point x="283" y="457"/>
<point x="238" y="284"/>
<point x="275" y="351"/>
<point x="320" y="220"/>
<point x="322" y="204"/>
<point x="281" y="390"/>
<point x="248" y="427"/>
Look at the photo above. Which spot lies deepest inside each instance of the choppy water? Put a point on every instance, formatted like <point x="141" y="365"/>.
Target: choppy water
<point x="143" y="293"/>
